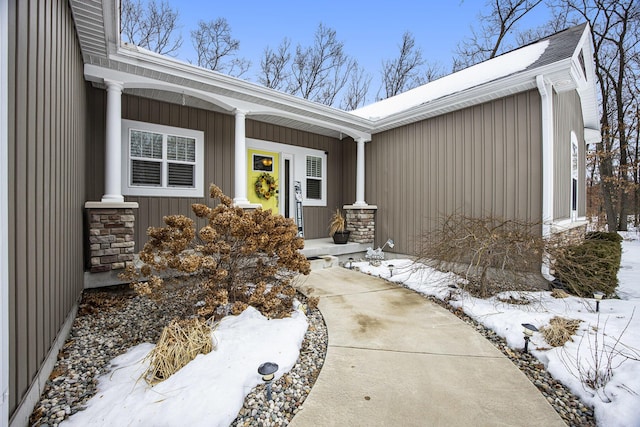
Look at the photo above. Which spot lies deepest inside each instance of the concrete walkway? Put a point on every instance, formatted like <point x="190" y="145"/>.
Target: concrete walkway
<point x="395" y="358"/>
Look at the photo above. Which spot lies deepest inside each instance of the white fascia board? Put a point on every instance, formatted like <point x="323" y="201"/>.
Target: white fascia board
<point x="479" y="94"/>
<point x="99" y="74"/>
<point x="94" y="73"/>
<point x="162" y="64"/>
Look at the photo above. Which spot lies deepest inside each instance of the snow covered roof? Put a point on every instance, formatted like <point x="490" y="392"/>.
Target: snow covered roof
<point x="487" y="71"/>
<point x="530" y="59"/>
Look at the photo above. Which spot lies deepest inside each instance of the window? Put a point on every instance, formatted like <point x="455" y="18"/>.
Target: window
<point x="161" y="160"/>
<point x="314" y="178"/>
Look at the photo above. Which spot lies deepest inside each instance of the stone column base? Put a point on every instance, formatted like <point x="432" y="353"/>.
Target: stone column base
<point x="111" y="236"/>
<point x="361" y="223"/>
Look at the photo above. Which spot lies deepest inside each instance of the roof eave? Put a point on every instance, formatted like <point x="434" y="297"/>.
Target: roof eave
<point x="558" y="73"/>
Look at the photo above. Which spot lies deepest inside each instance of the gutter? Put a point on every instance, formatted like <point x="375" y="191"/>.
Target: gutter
<point x="546" y="95"/>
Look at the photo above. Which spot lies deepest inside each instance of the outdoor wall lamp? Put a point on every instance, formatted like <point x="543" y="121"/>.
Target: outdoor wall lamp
<point x="598" y="296"/>
<point x="268" y="370"/>
<point x="391" y="267"/>
<point x="528" y="330"/>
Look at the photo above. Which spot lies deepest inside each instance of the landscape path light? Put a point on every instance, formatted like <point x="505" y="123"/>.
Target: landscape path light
<point x="268" y="370"/>
<point x="528" y="330"/>
<point x="391" y="267"/>
<point x="350" y="263"/>
<point x="598" y="296"/>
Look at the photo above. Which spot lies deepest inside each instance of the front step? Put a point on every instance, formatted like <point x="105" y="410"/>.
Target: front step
<point x="324" y="261"/>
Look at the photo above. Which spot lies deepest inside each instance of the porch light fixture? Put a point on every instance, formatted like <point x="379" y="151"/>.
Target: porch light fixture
<point x="391" y="267"/>
<point x="598" y="297"/>
<point x="268" y="370"/>
<point x="350" y="263"/>
<point x="528" y="330"/>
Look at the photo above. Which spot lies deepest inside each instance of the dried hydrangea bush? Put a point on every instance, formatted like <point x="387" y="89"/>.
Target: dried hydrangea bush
<point x="239" y="258"/>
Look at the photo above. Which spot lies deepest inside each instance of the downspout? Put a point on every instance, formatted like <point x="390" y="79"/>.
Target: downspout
<point x="546" y="96"/>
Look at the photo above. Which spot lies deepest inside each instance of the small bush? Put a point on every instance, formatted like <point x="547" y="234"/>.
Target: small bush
<point x="493" y="254"/>
<point x="602" y="235"/>
<point x="238" y="258"/>
<point x="590" y="266"/>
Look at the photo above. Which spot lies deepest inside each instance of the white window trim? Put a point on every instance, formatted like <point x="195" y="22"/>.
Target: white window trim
<point x="130" y="190"/>
<point x="299" y="165"/>
<point x="575" y="173"/>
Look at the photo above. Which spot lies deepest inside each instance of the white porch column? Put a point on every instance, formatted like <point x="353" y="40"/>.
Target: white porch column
<point x="113" y="150"/>
<point x="360" y="174"/>
<point x="240" y="181"/>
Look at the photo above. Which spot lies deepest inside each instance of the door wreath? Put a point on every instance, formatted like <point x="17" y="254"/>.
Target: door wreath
<point x="265" y="186"/>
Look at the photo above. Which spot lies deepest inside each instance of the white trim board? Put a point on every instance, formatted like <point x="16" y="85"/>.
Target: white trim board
<point x="4" y="213"/>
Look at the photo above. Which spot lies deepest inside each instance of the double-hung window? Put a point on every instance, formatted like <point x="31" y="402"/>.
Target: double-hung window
<point x="162" y="160"/>
<point x="314" y="178"/>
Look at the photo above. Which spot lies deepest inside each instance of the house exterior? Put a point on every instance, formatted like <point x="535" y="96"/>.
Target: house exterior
<point x="99" y="140"/>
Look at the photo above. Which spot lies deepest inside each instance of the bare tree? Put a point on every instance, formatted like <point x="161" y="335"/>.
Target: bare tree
<point x="490" y="39"/>
<point x="404" y="72"/>
<point x="319" y="72"/>
<point x="217" y="49"/>
<point x="153" y="27"/>
<point x="274" y="66"/>
<point x="616" y="38"/>
<point x="357" y="89"/>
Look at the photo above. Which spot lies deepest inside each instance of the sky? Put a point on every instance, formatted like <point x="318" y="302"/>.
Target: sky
<point x="371" y="32"/>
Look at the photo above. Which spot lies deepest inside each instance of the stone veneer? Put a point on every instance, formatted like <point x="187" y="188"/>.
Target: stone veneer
<point x="564" y="236"/>
<point x="361" y="223"/>
<point x="111" y="235"/>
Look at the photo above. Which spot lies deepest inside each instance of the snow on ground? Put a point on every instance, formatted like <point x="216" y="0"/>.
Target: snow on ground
<point x="606" y="340"/>
<point x="212" y="387"/>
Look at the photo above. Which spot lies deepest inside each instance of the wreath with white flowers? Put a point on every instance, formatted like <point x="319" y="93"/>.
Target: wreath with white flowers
<point x="265" y="186"/>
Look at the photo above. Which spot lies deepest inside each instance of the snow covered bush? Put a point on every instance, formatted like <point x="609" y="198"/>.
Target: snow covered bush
<point x="239" y="258"/>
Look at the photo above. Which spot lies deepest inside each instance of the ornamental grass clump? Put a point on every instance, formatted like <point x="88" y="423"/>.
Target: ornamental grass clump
<point x="181" y="341"/>
<point x="559" y="331"/>
<point x="237" y="258"/>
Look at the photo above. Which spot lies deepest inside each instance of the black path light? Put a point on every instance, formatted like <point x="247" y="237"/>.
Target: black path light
<point x="391" y="267"/>
<point x="529" y="329"/>
<point x="268" y="370"/>
<point x="598" y="296"/>
<point x="350" y="263"/>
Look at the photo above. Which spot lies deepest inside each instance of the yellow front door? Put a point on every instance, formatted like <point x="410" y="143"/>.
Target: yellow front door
<point x="263" y="179"/>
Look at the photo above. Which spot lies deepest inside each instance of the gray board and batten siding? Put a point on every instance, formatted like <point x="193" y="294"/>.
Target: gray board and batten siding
<point x="567" y="118"/>
<point x="482" y="160"/>
<point x="219" y="134"/>
<point x="47" y="133"/>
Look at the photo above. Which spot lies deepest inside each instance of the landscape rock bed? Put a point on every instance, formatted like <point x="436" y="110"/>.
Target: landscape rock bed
<point x="110" y="321"/>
